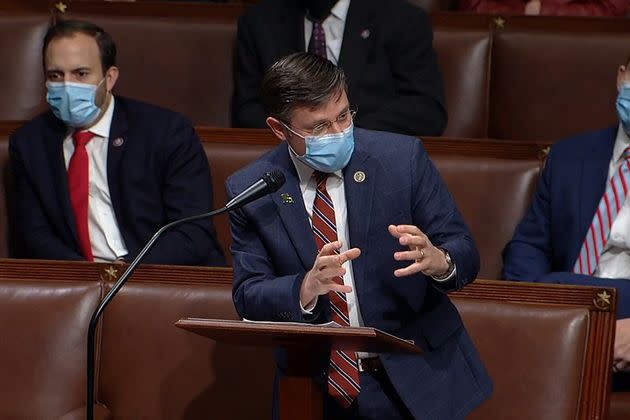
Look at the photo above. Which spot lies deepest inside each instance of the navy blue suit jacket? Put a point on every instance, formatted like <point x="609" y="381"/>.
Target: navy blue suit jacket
<point x="158" y="174"/>
<point x="548" y="240"/>
<point x="387" y="56"/>
<point x="274" y="247"/>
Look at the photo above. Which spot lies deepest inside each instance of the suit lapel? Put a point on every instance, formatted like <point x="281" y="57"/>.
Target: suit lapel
<point x="357" y="39"/>
<point x="292" y="211"/>
<point x="359" y="184"/>
<point x="59" y="176"/>
<point x="117" y="144"/>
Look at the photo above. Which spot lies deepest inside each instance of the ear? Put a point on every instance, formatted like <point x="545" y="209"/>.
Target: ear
<point x="111" y="76"/>
<point x="277" y="127"/>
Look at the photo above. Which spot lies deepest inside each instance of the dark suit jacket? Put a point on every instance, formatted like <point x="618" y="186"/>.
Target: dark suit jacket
<point x="274" y="247"/>
<point x="548" y="240"/>
<point x="392" y="74"/>
<point x="159" y="174"/>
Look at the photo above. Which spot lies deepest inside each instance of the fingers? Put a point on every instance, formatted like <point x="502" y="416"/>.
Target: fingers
<point x="328" y="267"/>
<point x="409" y="235"/>
<point x="330" y="248"/>
<point x="398" y="231"/>
<point x="409" y="270"/>
<point x="413" y="255"/>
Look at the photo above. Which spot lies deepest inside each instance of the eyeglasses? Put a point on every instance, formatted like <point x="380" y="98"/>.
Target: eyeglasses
<point x="343" y="121"/>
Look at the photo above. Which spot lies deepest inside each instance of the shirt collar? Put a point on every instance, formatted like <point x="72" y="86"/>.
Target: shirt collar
<point x="621" y="143"/>
<point x="340" y="9"/>
<point x="103" y="126"/>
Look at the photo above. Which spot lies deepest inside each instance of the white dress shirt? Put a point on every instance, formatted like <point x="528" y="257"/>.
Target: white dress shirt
<point x="333" y="26"/>
<point x="615" y="260"/>
<point x="105" y="237"/>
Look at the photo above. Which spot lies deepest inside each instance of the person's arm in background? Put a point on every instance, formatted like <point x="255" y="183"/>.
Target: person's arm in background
<point x="247" y="108"/>
<point x="418" y="108"/>
<point x="511" y="7"/>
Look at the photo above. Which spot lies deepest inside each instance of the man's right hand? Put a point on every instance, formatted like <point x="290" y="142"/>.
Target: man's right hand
<point x="321" y="278"/>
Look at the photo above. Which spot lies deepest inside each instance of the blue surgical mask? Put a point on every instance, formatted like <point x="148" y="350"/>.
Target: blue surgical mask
<point x="623" y="106"/>
<point x="329" y="153"/>
<point x="73" y="103"/>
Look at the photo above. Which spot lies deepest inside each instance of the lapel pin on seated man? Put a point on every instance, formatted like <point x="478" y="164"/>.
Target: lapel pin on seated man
<point x="98" y="174"/>
<point x="378" y="250"/>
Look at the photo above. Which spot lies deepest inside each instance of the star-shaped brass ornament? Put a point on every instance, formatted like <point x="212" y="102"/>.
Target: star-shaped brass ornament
<point x="112" y="272"/>
<point x="61" y="6"/>
<point x="602" y="300"/>
<point x="499" y="22"/>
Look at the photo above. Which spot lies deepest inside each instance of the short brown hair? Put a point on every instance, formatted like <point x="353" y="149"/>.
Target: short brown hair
<point x="68" y="28"/>
<point x="300" y="79"/>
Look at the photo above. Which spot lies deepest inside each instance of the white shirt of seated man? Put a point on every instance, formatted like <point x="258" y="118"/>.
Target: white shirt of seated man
<point x="105" y="237"/>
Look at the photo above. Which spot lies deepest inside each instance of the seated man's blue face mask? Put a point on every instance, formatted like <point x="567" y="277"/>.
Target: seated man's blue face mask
<point x="73" y="103"/>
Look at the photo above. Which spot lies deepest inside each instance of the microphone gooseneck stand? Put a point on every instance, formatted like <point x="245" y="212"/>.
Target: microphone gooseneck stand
<point x="269" y="182"/>
<point x="119" y="283"/>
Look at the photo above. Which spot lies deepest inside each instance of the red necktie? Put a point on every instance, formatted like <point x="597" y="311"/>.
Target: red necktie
<point x="343" y="375"/>
<point x="79" y="184"/>
<point x="607" y="210"/>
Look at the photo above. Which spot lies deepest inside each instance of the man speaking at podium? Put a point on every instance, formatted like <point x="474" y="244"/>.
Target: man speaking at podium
<point x="363" y="233"/>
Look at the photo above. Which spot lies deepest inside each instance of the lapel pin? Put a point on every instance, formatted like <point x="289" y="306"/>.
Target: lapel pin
<point x="359" y="176"/>
<point x="118" y="142"/>
<point x="286" y="198"/>
<point x="365" y="34"/>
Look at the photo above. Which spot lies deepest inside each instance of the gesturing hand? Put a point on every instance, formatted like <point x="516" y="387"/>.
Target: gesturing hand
<point x="321" y="278"/>
<point x="425" y="258"/>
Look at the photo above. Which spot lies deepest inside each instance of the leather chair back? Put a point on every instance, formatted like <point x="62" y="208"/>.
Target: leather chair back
<point x="464" y="55"/>
<point x="151" y="369"/>
<point x="493" y="195"/>
<point x="555" y="77"/>
<point x="21" y="74"/>
<point x="184" y="64"/>
<point x="43" y="345"/>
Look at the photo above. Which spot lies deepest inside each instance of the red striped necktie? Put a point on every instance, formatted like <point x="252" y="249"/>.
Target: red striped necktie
<point x="343" y="375"/>
<point x="607" y="210"/>
<point x="78" y="185"/>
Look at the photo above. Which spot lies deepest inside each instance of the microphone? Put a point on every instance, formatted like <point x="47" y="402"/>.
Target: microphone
<point x="268" y="183"/>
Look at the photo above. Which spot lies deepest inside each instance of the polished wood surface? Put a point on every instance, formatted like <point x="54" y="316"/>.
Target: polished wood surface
<point x="297" y="335"/>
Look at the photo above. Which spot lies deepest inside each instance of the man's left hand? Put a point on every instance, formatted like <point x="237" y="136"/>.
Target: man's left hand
<point x="426" y="258"/>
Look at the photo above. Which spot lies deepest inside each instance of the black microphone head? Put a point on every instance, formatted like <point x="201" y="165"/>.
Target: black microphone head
<point x="274" y="180"/>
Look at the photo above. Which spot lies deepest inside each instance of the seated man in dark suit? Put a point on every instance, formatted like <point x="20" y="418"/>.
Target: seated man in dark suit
<point x="384" y="47"/>
<point x="364" y="234"/>
<point x="97" y="175"/>
<point x="577" y="230"/>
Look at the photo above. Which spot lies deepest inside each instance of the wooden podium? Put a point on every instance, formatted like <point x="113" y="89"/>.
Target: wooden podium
<point x="300" y="397"/>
